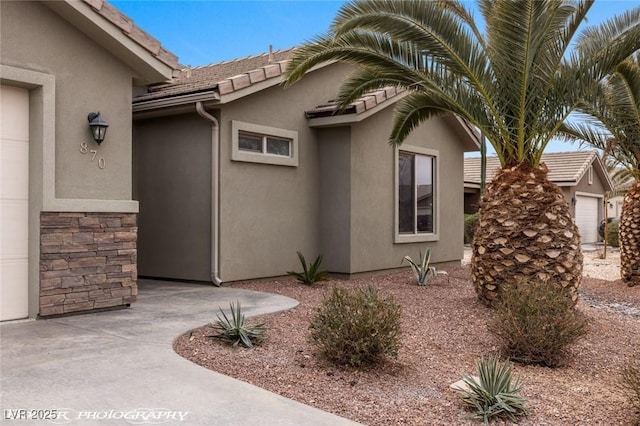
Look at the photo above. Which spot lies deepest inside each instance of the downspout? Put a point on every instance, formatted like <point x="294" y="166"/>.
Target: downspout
<point x="215" y="192"/>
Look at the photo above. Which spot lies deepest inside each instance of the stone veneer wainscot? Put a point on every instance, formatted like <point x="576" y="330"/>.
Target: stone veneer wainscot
<point x="87" y="261"/>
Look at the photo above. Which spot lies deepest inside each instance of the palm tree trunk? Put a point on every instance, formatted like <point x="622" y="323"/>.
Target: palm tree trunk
<point x="525" y="232"/>
<point x="629" y="232"/>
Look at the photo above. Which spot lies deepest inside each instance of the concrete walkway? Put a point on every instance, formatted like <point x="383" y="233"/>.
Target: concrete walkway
<point x="119" y="367"/>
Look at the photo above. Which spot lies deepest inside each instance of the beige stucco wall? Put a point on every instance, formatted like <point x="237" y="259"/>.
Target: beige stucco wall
<point x="268" y="212"/>
<point x="172" y="165"/>
<point x="373" y="186"/>
<point x="335" y="198"/>
<point x="87" y="79"/>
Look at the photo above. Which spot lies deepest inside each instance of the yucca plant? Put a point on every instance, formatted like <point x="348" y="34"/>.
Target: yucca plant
<point x="422" y="270"/>
<point x="517" y="79"/>
<point x="234" y="330"/>
<point x="495" y="393"/>
<point x="310" y="273"/>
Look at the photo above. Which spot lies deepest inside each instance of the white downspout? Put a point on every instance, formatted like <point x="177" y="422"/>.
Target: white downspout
<point x="215" y="193"/>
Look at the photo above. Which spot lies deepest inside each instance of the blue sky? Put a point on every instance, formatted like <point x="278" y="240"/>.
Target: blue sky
<point x="207" y="31"/>
<point x="202" y="32"/>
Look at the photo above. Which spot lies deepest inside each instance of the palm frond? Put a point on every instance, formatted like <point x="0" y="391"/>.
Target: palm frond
<point x="518" y="81"/>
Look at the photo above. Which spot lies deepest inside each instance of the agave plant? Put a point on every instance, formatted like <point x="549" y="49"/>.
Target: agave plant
<point x="234" y="330"/>
<point x="517" y="80"/>
<point x="423" y="271"/>
<point x="494" y="393"/>
<point x="310" y="273"/>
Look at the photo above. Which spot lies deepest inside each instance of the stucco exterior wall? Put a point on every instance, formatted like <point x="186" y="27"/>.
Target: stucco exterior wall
<point x="373" y="187"/>
<point x="173" y="186"/>
<point x="596" y="187"/>
<point x="68" y="76"/>
<point x="335" y="198"/>
<point x="268" y="212"/>
<point x="87" y="79"/>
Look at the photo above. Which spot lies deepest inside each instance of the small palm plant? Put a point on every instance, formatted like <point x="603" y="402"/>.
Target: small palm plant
<point x="310" y="273"/>
<point x="494" y="393"/>
<point x="423" y="271"/>
<point x="234" y="330"/>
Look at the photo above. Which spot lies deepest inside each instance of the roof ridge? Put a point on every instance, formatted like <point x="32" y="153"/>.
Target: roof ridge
<point x="243" y="58"/>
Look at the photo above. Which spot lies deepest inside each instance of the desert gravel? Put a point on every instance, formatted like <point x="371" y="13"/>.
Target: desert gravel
<point x="444" y="333"/>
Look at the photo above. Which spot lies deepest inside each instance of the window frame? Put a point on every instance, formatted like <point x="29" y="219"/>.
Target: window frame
<point x="417" y="237"/>
<point x="237" y="154"/>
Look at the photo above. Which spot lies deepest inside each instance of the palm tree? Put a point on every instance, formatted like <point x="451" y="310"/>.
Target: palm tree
<point x="517" y="82"/>
<point x="617" y="107"/>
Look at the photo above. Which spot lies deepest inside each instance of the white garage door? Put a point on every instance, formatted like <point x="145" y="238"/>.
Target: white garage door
<point x="587" y="218"/>
<point x="14" y="202"/>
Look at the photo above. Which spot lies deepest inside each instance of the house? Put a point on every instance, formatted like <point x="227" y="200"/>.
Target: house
<point x="580" y="174"/>
<point x="235" y="173"/>
<point x="68" y="229"/>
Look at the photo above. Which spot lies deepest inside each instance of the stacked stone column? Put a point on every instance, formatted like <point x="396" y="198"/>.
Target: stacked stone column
<point x="88" y="261"/>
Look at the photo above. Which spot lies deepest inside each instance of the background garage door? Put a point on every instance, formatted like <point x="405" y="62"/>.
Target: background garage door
<point x="587" y="218"/>
<point x="14" y="202"/>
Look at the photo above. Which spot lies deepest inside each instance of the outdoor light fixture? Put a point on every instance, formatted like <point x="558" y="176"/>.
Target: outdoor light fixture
<point x="573" y="201"/>
<point x="98" y="126"/>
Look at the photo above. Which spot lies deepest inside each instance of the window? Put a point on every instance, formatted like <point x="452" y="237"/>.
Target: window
<point x="416" y="195"/>
<point x="263" y="144"/>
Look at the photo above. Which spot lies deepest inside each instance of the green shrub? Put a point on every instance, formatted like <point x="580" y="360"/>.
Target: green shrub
<point x="235" y="330"/>
<point x="493" y="394"/>
<point x="356" y="327"/>
<point x="470" y="222"/>
<point x="612" y="234"/>
<point x="630" y="382"/>
<point x="535" y="323"/>
<point x="310" y="274"/>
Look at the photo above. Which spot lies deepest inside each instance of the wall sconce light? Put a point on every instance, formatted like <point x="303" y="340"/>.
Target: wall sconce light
<point x="573" y="201"/>
<point x="98" y="127"/>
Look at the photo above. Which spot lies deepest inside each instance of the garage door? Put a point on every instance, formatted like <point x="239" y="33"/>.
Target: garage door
<point x="587" y="218"/>
<point x="14" y="202"/>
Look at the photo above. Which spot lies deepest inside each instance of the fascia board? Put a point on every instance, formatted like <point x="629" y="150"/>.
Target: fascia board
<point x="149" y="69"/>
<point x="343" y="119"/>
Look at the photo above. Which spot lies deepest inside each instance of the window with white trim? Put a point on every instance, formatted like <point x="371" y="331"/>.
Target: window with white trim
<point x="416" y="195"/>
<point x="263" y="144"/>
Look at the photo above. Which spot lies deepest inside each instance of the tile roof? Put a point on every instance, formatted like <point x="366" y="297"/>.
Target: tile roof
<point x="565" y="168"/>
<point x="223" y="78"/>
<point x="134" y="32"/>
<point x="230" y="76"/>
<point x="359" y="106"/>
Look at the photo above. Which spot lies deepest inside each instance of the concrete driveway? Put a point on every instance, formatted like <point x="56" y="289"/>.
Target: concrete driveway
<point x="119" y="367"/>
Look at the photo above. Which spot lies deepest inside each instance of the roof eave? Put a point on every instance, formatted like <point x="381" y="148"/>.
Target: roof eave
<point x="175" y="101"/>
<point x="466" y="132"/>
<point x="149" y="68"/>
<point x="351" y="116"/>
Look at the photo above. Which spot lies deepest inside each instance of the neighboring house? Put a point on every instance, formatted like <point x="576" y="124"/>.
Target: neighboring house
<point x="68" y="229"/>
<point x="616" y="201"/>
<point x="615" y="206"/>
<point x="235" y="173"/>
<point x="580" y="174"/>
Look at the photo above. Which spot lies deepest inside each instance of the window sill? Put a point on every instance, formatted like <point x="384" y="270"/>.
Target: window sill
<point x="417" y="238"/>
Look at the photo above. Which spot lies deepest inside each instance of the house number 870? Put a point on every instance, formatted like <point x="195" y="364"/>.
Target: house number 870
<point x="84" y="149"/>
